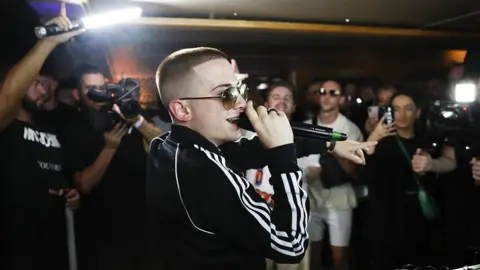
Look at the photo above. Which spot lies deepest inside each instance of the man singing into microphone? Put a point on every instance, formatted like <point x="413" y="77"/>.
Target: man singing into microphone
<point x="204" y="211"/>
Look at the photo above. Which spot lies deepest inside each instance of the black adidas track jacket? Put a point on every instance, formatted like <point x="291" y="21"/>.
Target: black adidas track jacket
<point x="206" y="215"/>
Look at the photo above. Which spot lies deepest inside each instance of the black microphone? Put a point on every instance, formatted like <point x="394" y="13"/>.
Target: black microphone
<point x="53" y="29"/>
<point x="301" y="130"/>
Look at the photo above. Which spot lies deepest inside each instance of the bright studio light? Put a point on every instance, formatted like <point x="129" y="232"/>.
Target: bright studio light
<point x="111" y="18"/>
<point x="465" y="92"/>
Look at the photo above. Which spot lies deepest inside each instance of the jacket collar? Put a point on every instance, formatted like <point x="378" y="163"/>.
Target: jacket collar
<point x="187" y="136"/>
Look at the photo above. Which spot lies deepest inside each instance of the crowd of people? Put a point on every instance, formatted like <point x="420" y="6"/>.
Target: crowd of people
<point x="201" y="193"/>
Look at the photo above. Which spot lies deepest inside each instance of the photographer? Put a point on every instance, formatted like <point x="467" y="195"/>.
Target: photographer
<point x="109" y="170"/>
<point x="34" y="190"/>
<point x="459" y="156"/>
<point x="461" y="190"/>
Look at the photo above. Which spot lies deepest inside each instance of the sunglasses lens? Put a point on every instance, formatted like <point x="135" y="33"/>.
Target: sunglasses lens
<point x="331" y="92"/>
<point x="243" y="91"/>
<point x="230" y="97"/>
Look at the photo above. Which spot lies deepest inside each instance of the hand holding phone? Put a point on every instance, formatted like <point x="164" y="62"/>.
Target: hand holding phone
<point x="383" y="130"/>
<point x="388" y="113"/>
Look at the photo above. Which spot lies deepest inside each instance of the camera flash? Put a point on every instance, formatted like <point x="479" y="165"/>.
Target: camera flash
<point x="465" y="92"/>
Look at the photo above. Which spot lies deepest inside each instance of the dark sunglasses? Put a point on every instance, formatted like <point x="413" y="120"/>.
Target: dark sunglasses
<point x="331" y="92"/>
<point x="229" y="96"/>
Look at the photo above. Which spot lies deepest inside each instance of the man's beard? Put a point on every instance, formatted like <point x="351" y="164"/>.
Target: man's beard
<point x="30" y="106"/>
<point x="37" y="114"/>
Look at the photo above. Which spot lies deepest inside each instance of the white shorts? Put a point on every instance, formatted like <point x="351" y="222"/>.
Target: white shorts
<point x="339" y="224"/>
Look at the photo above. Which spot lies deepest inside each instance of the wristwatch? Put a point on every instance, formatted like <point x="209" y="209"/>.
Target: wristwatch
<point x="331" y="146"/>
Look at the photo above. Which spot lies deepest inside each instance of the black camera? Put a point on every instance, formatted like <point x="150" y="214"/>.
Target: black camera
<point x="458" y="119"/>
<point x="124" y="94"/>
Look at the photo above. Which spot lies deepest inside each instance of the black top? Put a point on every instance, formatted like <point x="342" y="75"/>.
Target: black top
<point x="32" y="206"/>
<point x="397" y="230"/>
<point x="390" y="174"/>
<point x="208" y="216"/>
<point x="114" y="211"/>
<point x="393" y="191"/>
<point x="59" y="117"/>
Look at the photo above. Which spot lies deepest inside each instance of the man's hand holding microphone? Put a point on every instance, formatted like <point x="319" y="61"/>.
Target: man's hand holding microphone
<point x="63" y="22"/>
<point x="273" y="129"/>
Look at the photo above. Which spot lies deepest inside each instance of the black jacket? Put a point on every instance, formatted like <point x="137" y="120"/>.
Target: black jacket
<point x="206" y="215"/>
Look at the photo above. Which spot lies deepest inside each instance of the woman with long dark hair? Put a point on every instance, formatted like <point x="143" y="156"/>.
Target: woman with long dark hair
<point x="397" y="227"/>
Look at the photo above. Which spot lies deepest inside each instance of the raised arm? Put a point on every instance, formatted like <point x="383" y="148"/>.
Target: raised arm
<point x="24" y="72"/>
<point x="19" y="79"/>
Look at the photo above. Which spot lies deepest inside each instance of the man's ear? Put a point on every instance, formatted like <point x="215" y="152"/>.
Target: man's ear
<point x="418" y="113"/>
<point x="342" y="100"/>
<point x="179" y="110"/>
<point x="76" y="94"/>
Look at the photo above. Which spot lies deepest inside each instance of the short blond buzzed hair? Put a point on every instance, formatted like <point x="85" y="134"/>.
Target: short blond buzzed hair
<point x="175" y="76"/>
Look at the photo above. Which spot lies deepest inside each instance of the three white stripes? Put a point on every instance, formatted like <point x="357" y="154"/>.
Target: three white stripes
<point x="281" y="242"/>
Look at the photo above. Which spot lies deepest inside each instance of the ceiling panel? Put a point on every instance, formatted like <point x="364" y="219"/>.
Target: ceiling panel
<point x="398" y="13"/>
<point x="200" y="37"/>
<point x="50" y="9"/>
<point x="471" y="24"/>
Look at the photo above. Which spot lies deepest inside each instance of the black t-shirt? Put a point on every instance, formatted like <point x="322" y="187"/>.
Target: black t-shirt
<point x="461" y="191"/>
<point x="114" y="211"/>
<point x="395" y="219"/>
<point x="31" y="176"/>
<point x="389" y="174"/>
<point x="464" y="152"/>
<point x="61" y="115"/>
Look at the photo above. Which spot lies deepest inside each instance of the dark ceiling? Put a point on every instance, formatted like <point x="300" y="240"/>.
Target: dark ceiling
<point x="459" y="15"/>
<point x="17" y="21"/>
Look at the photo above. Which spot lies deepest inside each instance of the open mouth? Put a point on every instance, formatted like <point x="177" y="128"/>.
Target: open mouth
<point x="233" y="120"/>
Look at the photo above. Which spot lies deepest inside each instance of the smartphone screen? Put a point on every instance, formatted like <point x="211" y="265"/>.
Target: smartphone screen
<point x="389" y="112"/>
<point x="373" y="113"/>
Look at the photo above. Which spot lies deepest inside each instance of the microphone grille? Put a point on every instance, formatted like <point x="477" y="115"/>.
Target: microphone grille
<point x="40" y="32"/>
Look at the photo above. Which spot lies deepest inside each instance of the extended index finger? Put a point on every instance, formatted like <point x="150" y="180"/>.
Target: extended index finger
<point x="363" y="145"/>
<point x="361" y="157"/>
<point x="63" y="9"/>
<point x="252" y="115"/>
<point x="380" y="122"/>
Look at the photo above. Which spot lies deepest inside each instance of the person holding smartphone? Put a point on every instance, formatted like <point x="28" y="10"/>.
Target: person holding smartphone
<point x="384" y="94"/>
<point x="397" y="228"/>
